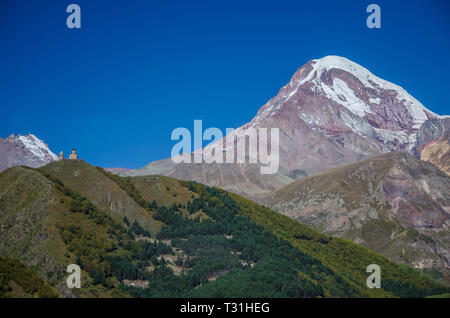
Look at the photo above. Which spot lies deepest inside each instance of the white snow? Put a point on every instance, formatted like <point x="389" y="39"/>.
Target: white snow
<point x="351" y="102"/>
<point x="357" y="125"/>
<point x="37" y="147"/>
<point x="343" y="94"/>
<point x="333" y="61"/>
<point x="416" y="109"/>
<point x="408" y="140"/>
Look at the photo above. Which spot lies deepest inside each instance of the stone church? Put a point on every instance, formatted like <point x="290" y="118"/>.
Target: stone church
<point x="72" y="156"/>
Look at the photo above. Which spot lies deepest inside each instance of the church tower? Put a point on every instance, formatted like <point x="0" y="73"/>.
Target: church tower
<point x="73" y="155"/>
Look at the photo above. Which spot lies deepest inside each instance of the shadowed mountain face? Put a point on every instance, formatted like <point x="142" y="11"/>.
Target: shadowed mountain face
<point x="332" y="112"/>
<point x="394" y="204"/>
<point x="174" y="239"/>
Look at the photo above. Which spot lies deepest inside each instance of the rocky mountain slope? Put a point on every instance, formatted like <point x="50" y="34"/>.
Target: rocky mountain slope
<point x="25" y="150"/>
<point x="438" y="152"/>
<point x="332" y="112"/>
<point x="393" y="204"/>
<point x="197" y="241"/>
<point x="431" y="130"/>
<point x="119" y="171"/>
<point x="433" y="142"/>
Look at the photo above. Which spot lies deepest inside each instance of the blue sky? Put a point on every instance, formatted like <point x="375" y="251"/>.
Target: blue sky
<point x="136" y="70"/>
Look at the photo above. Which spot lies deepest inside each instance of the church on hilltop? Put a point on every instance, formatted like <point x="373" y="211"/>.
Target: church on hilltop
<point x="72" y="156"/>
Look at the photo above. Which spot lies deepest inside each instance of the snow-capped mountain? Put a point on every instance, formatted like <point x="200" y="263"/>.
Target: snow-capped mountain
<point x="331" y="113"/>
<point x="25" y="150"/>
<point x="334" y="96"/>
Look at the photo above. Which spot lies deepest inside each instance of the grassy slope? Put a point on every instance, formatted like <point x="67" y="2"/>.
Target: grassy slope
<point x="101" y="191"/>
<point x="342" y="256"/>
<point x="65" y="236"/>
<point x="39" y="230"/>
<point x="27" y="208"/>
<point x="19" y="281"/>
<point x="332" y="181"/>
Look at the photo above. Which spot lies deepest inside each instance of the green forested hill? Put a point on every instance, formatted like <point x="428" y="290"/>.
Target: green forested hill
<point x="16" y="280"/>
<point x="159" y="237"/>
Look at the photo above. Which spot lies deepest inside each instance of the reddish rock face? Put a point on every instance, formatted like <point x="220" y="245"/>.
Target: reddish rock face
<point x="332" y="112"/>
<point x="25" y="150"/>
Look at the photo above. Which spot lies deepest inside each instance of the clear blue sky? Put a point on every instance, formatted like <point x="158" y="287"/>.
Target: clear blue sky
<point x="136" y="70"/>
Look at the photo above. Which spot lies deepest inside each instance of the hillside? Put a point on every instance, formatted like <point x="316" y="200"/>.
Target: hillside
<point x="18" y="281"/>
<point x="209" y="243"/>
<point x="104" y="193"/>
<point x="393" y="204"/>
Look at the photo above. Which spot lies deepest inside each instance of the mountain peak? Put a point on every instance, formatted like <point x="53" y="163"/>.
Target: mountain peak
<point x="327" y="63"/>
<point x="332" y="112"/>
<point x="334" y="94"/>
<point x="335" y="61"/>
<point x="371" y="81"/>
<point x="27" y="150"/>
<point x="37" y="147"/>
